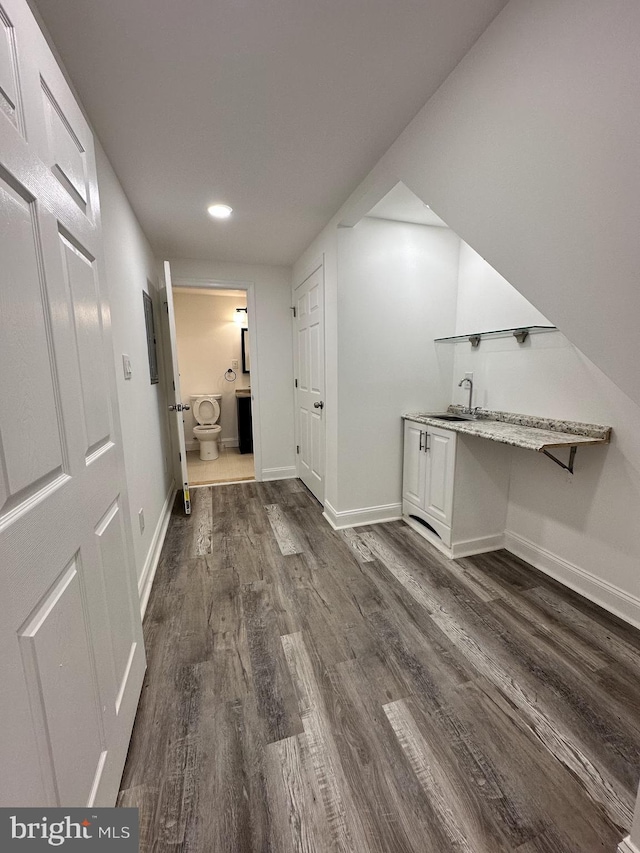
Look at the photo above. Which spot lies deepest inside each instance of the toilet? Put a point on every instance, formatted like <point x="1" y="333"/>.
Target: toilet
<point x="206" y="411"/>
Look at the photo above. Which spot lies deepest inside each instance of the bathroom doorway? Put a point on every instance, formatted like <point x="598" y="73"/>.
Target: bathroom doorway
<point x="213" y="343"/>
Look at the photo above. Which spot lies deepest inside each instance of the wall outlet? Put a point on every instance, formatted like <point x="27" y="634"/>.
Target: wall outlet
<point x="141" y="520"/>
<point x="469" y="376"/>
<point x="126" y="366"/>
<point x="234" y="363"/>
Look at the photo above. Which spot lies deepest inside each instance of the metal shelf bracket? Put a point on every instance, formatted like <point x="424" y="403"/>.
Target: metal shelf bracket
<point x="572" y="456"/>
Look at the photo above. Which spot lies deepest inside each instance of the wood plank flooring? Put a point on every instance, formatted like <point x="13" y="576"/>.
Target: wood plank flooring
<point x="310" y="691"/>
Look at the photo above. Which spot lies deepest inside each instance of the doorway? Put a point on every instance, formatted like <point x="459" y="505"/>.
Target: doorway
<point x="214" y="357"/>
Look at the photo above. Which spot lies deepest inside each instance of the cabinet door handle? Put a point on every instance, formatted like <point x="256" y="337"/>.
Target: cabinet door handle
<point x="421" y="434"/>
<point x="427" y="446"/>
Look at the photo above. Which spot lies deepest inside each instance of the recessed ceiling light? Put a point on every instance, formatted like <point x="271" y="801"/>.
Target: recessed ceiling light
<point x="220" y="211"/>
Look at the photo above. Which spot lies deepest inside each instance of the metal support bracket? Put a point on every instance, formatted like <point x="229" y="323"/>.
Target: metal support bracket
<point x="572" y="456"/>
<point x="521" y="335"/>
<point x="474" y="340"/>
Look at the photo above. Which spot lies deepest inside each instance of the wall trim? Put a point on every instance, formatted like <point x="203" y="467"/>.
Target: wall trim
<point x="365" y="515"/>
<point x="286" y="473"/>
<point x="601" y="592"/>
<point x="434" y="540"/>
<point x="469" y="547"/>
<point x="627" y="846"/>
<point x="466" y="548"/>
<point x="153" y="557"/>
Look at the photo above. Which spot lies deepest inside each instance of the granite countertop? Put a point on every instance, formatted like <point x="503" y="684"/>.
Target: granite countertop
<point x="528" y="431"/>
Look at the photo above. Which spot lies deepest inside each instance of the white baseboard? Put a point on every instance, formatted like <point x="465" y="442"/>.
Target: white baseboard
<point x="279" y="473"/>
<point x="151" y="564"/>
<point x="357" y="517"/>
<point x="627" y="846"/>
<point x="467" y="548"/>
<point x="429" y="535"/>
<point x="477" y="546"/>
<point x="596" y="589"/>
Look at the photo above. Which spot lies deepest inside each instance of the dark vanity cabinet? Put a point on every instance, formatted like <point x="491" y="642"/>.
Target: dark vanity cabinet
<point x="245" y="427"/>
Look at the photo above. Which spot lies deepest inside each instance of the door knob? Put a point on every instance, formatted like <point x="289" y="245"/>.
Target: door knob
<point x="319" y="405"/>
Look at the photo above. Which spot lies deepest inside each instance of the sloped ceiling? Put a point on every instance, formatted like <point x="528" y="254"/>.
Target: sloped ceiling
<point x="279" y="108"/>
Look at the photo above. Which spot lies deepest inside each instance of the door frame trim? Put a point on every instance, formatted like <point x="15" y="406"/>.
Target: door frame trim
<point x="248" y="286"/>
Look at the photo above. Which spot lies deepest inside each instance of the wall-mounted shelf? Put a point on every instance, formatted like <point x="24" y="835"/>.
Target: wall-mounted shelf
<point x="520" y="333"/>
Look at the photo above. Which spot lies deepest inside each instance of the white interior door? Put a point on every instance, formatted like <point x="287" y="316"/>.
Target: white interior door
<point x="176" y="418"/>
<point x="71" y="650"/>
<point x="309" y="337"/>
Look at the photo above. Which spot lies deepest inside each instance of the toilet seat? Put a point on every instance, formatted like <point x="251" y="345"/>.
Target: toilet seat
<point x="206" y="409"/>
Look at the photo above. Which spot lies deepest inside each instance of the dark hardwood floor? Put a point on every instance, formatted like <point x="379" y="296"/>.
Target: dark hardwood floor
<point x="309" y="690"/>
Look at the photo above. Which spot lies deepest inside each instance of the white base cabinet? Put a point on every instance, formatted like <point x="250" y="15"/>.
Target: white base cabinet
<point x="455" y="488"/>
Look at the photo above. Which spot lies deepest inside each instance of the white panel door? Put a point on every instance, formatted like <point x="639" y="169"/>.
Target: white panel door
<point x="72" y="657"/>
<point x="176" y="418"/>
<point x="309" y="357"/>
<point x="415" y="458"/>
<point x="440" y="473"/>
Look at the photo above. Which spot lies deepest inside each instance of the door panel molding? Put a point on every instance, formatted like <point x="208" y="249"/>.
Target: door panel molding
<point x="309" y="368"/>
<point x="70" y="626"/>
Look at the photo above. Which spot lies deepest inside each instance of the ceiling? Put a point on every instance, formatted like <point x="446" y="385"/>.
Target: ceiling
<point x="401" y="205"/>
<point x="279" y="108"/>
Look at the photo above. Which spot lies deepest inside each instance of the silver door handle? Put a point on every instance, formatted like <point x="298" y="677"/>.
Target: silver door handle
<point x="421" y="434"/>
<point x="427" y="446"/>
<point x="319" y="405"/>
<point x="178" y="407"/>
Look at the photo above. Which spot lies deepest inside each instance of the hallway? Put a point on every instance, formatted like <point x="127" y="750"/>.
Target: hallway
<point x="313" y="690"/>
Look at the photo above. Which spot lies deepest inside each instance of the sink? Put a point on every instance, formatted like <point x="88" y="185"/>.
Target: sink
<point x="453" y="417"/>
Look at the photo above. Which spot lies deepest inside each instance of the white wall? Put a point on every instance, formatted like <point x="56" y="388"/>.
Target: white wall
<point x="503" y="307"/>
<point x="582" y="527"/>
<point x="529" y="152"/>
<point x="131" y="268"/>
<point x="397" y="292"/>
<point x="274" y="347"/>
<point x="208" y="340"/>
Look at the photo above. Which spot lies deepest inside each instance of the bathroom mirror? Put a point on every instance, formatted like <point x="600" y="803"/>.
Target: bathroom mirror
<point x="246" y="357"/>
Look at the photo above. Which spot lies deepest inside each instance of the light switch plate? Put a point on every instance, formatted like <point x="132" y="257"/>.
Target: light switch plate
<point x="126" y="366"/>
<point x="469" y="376"/>
<point x="234" y="363"/>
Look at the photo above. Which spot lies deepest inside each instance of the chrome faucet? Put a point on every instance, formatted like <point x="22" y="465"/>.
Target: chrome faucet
<point x="460" y="384"/>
